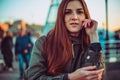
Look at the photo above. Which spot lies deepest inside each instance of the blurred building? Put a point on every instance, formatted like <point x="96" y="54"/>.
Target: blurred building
<point x="33" y="29"/>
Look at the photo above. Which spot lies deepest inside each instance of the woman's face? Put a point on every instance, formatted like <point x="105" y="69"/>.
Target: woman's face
<point x="74" y="15"/>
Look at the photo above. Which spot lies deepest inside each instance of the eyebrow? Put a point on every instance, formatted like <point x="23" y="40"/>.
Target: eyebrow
<point x="77" y="9"/>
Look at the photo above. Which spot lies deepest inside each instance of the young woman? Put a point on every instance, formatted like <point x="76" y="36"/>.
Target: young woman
<point x="61" y="54"/>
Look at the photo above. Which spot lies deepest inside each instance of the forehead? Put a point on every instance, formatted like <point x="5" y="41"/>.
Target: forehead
<point x="74" y="4"/>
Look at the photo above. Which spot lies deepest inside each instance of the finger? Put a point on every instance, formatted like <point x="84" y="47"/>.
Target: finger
<point x="92" y="77"/>
<point x="89" y="24"/>
<point x="96" y="78"/>
<point x="95" y="24"/>
<point x="85" y="23"/>
<point x="89" y="68"/>
<point x="96" y="72"/>
<point x="100" y="75"/>
<point x="100" y="70"/>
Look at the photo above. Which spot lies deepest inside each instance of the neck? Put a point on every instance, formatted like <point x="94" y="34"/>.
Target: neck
<point x="75" y="34"/>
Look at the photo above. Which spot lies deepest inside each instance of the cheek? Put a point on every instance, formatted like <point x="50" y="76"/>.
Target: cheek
<point x="66" y="20"/>
<point x="82" y="17"/>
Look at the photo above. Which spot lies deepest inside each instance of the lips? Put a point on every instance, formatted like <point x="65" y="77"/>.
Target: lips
<point x="74" y="23"/>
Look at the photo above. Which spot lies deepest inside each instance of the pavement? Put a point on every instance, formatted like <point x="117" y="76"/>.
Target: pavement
<point x="10" y="75"/>
<point x="112" y="71"/>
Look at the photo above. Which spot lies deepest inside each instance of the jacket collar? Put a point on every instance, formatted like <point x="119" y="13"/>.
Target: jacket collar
<point x="75" y="40"/>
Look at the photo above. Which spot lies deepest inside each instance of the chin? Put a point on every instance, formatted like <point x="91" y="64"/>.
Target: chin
<point x="75" y="31"/>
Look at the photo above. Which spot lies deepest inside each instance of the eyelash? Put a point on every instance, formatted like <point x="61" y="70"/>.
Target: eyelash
<point x="80" y="12"/>
<point x="70" y="12"/>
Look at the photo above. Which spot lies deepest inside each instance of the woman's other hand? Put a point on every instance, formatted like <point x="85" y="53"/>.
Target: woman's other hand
<point x="86" y="73"/>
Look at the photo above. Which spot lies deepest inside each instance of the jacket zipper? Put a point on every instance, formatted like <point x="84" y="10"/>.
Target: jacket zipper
<point x="73" y="51"/>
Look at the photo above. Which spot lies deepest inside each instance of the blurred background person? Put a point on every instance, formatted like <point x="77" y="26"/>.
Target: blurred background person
<point x="1" y="36"/>
<point x="23" y="46"/>
<point x="6" y="49"/>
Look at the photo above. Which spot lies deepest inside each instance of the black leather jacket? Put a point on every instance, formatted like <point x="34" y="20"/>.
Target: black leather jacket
<point x="37" y="68"/>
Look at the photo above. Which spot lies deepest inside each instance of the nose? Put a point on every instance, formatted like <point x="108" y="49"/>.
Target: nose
<point x="74" y="17"/>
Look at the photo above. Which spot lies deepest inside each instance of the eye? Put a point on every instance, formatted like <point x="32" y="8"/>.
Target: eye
<point x="68" y="12"/>
<point x="80" y="12"/>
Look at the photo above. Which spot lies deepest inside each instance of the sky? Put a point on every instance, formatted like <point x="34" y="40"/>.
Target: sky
<point x="35" y="11"/>
<point x="32" y="11"/>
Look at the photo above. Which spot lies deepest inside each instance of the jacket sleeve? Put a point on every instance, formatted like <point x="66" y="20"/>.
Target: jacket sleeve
<point x="38" y="66"/>
<point x="97" y="49"/>
<point x="94" y="56"/>
<point x="31" y="44"/>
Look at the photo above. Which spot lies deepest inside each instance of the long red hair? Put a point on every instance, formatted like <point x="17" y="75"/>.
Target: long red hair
<point x="57" y="45"/>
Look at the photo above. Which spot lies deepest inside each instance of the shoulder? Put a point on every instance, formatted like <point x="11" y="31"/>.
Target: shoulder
<point x="40" y="40"/>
